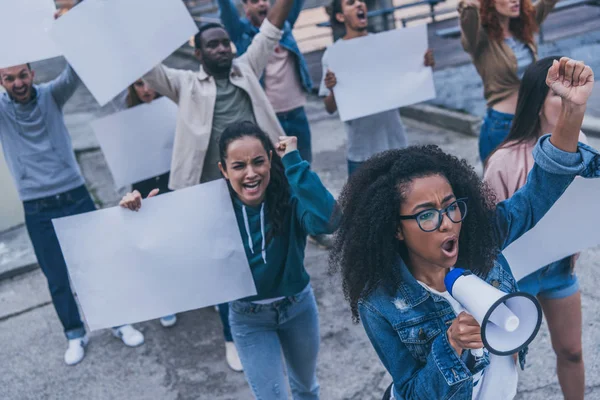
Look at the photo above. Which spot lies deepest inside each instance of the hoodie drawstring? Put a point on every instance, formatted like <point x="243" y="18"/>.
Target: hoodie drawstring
<point x="262" y="231"/>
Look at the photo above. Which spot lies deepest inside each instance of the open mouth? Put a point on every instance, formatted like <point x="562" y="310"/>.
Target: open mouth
<point x="450" y="247"/>
<point x="262" y="13"/>
<point x="20" y="92"/>
<point x="361" y="15"/>
<point x="251" y="187"/>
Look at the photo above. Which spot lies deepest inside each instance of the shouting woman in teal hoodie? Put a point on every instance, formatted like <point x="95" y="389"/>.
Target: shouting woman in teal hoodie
<point x="278" y="201"/>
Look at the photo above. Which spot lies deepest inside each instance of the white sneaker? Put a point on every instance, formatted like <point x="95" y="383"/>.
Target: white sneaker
<point x="233" y="359"/>
<point x="76" y="350"/>
<point x="168" y="321"/>
<point x="129" y="335"/>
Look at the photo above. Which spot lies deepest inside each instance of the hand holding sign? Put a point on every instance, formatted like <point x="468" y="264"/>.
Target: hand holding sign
<point x="133" y="200"/>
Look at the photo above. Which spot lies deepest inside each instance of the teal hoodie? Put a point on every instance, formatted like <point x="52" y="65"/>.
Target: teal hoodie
<point x="278" y="267"/>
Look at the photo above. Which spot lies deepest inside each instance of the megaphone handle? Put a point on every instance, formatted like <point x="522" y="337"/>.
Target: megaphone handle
<point x="477" y="352"/>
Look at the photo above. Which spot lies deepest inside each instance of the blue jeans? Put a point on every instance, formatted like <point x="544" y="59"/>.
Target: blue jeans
<point x="262" y="332"/>
<point x="295" y="123"/>
<point x="554" y="281"/>
<point x="38" y="219"/>
<point x="495" y="128"/>
<point x="353" y="166"/>
<point x="224" y="314"/>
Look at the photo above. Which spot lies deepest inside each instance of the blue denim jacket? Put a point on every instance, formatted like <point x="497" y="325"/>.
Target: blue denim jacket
<point x="242" y="32"/>
<point x="408" y="328"/>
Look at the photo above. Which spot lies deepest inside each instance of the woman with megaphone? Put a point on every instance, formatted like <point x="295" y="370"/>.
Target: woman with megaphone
<point x="555" y="285"/>
<point x="412" y="215"/>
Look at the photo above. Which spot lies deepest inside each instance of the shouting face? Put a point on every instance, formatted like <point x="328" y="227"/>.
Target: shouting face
<point x="426" y="244"/>
<point x="256" y="11"/>
<point x="353" y="15"/>
<point x="248" y="169"/>
<point x="18" y="82"/>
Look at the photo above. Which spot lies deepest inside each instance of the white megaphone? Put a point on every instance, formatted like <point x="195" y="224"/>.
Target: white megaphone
<point x="509" y="321"/>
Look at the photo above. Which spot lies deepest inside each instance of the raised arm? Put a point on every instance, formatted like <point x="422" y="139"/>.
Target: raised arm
<point x="280" y="12"/>
<point x="558" y="158"/>
<point x="542" y="9"/>
<point x="166" y="81"/>
<point x="470" y="25"/>
<point x="573" y="81"/>
<point x="63" y="86"/>
<point x="315" y="206"/>
<point x="295" y="13"/>
<point x="231" y="19"/>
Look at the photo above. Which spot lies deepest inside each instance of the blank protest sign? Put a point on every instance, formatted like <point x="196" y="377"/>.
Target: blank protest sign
<point x="381" y="72"/>
<point x="570" y="226"/>
<point x="25" y="30"/>
<point x="180" y="251"/>
<point x="111" y="43"/>
<point x="137" y="143"/>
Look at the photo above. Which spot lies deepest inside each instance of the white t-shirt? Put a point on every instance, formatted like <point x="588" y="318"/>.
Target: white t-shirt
<point x="498" y="381"/>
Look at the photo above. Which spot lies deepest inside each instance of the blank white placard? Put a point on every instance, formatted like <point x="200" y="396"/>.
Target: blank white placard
<point x="570" y="226"/>
<point x="25" y="32"/>
<point x="111" y="43"/>
<point x="181" y="251"/>
<point x="381" y="72"/>
<point x="138" y="142"/>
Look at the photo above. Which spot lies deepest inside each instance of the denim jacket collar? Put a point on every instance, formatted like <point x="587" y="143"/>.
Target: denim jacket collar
<point x="409" y="289"/>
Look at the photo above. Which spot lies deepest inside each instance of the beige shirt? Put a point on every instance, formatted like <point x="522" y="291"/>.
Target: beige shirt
<point x="495" y="61"/>
<point x="195" y="93"/>
<point x="282" y="81"/>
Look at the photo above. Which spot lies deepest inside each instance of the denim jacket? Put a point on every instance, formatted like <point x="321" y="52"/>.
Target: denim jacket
<point x="408" y="328"/>
<point x="242" y="32"/>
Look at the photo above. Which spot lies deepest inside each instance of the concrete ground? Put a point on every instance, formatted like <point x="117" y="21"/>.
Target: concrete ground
<point x="187" y="361"/>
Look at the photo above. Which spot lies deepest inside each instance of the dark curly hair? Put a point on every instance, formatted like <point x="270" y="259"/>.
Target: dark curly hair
<point x="278" y="192"/>
<point x="522" y="28"/>
<point x="366" y="247"/>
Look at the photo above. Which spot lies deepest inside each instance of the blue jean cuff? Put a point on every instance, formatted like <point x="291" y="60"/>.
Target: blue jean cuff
<point x="562" y="292"/>
<point x="75" y="333"/>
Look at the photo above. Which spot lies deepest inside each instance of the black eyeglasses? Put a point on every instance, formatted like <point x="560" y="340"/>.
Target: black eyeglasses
<point x="431" y="219"/>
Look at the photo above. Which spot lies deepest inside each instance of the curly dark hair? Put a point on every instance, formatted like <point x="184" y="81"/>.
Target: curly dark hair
<point x="366" y="247"/>
<point x="522" y="28"/>
<point x="278" y="191"/>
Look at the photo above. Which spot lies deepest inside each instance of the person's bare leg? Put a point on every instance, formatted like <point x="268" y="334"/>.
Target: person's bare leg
<point x="564" y="322"/>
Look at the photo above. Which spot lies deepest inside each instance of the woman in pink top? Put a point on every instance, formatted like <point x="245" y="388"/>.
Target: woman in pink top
<point x="556" y="284"/>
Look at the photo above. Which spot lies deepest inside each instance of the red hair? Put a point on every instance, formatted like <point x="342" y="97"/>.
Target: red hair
<point x="522" y="28"/>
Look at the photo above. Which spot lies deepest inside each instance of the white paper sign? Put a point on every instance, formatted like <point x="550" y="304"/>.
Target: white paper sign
<point x="138" y="142"/>
<point x="181" y="251"/>
<point x="25" y="32"/>
<point x="570" y="226"/>
<point x="111" y="43"/>
<point x="381" y="72"/>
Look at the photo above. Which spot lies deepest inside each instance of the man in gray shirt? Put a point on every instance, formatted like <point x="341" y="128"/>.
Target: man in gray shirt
<point x="40" y="157"/>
